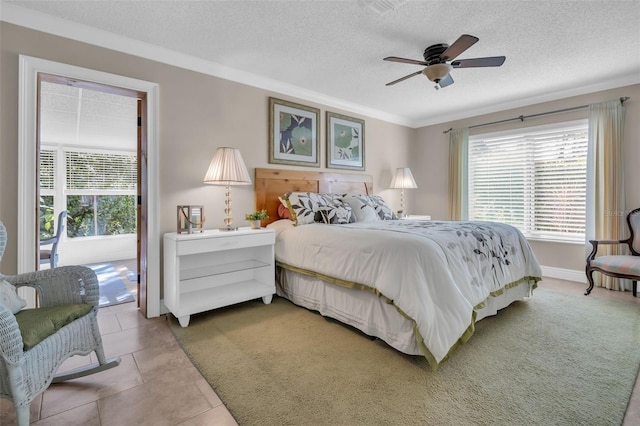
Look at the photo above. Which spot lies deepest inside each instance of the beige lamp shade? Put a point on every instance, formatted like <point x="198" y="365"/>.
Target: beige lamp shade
<point x="227" y="168"/>
<point x="403" y="179"/>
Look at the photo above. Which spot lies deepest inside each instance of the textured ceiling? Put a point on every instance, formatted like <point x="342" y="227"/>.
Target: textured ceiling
<point x="76" y="116"/>
<point x="332" y="50"/>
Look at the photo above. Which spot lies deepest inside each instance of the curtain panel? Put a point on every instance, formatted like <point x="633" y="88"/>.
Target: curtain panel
<point x="458" y="174"/>
<point x="606" y="209"/>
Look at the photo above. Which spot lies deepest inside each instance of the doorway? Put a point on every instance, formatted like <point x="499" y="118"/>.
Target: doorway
<point x="31" y="70"/>
<point x="87" y="147"/>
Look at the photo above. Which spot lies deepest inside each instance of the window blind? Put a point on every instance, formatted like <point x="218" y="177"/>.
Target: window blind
<point x="98" y="171"/>
<point x="47" y="169"/>
<point x="534" y="179"/>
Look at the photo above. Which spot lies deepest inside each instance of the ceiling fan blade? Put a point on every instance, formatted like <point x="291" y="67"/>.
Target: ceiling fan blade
<point x="493" y="61"/>
<point x="413" y="74"/>
<point x="404" y="61"/>
<point x="446" y="81"/>
<point x="464" y="42"/>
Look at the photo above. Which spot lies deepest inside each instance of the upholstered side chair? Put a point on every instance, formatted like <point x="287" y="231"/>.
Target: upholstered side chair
<point x="35" y="342"/>
<point x="619" y="266"/>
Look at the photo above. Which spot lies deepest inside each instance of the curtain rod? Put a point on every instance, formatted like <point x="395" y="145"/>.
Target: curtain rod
<point x="522" y="117"/>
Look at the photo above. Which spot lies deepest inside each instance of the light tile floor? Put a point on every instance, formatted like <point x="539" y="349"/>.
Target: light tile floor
<point x="156" y="384"/>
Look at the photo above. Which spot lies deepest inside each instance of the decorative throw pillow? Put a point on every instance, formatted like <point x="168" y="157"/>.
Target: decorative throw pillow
<point x="305" y="207"/>
<point x="381" y="207"/>
<point x="377" y="204"/>
<point x="283" y="212"/>
<point x="336" y="211"/>
<point x="9" y="297"/>
<point x="363" y="211"/>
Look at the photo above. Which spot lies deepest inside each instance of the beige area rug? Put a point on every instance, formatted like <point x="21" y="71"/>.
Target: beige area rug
<point x="553" y="360"/>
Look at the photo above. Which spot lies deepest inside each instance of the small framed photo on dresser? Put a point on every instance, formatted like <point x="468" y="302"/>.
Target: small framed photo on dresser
<point x="190" y="219"/>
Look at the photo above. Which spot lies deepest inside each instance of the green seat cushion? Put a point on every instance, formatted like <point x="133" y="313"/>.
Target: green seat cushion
<point x="38" y="324"/>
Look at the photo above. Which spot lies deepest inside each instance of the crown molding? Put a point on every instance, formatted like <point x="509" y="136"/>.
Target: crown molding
<point x="38" y="21"/>
<point x="613" y="83"/>
<point x="60" y="27"/>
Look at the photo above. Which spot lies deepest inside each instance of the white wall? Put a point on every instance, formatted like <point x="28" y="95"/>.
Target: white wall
<point x="198" y="113"/>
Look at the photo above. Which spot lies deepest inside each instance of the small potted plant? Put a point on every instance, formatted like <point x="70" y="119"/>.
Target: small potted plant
<point x="256" y="217"/>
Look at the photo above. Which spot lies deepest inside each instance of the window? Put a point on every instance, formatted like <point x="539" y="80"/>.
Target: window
<point x="98" y="189"/>
<point x="47" y="192"/>
<point x="534" y="179"/>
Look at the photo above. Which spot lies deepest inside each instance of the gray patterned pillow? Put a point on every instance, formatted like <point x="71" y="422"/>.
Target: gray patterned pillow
<point x="381" y="207"/>
<point x="377" y="204"/>
<point x="336" y="211"/>
<point x="363" y="211"/>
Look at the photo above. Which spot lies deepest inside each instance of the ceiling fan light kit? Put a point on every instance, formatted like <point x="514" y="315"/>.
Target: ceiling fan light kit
<point x="436" y="58"/>
<point x="437" y="72"/>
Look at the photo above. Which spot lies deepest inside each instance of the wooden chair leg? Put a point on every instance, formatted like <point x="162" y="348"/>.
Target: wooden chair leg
<point x="589" y="272"/>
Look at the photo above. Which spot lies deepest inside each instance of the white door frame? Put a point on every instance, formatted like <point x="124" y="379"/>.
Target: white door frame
<point x="27" y="115"/>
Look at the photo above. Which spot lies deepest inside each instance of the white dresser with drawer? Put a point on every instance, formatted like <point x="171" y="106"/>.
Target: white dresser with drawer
<point x="212" y="269"/>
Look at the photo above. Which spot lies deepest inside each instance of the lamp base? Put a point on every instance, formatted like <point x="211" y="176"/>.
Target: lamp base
<point x="227" y="212"/>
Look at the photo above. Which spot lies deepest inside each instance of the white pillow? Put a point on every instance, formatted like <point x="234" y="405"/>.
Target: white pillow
<point x="363" y="211"/>
<point x="9" y="297"/>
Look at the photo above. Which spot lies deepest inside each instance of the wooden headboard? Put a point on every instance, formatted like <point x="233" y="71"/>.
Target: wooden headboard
<point x="273" y="183"/>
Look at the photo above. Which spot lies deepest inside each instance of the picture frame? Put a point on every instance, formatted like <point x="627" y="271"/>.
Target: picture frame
<point x="294" y="132"/>
<point x="190" y="219"/>
<point x="345" y="142"/>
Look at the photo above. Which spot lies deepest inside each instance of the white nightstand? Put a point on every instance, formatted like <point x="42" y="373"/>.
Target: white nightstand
<point x="416" y="217"/>
<point x="212" y="269"/>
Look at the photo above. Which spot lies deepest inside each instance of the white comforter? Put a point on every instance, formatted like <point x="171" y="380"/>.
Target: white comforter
<point x="435" y="272"/>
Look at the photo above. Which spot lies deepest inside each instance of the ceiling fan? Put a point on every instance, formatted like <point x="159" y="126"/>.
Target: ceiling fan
<point x="436" y="58"/>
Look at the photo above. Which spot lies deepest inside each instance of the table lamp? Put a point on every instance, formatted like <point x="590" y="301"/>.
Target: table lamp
<point x="227" y="168"/>
<point x="402" y="180"/>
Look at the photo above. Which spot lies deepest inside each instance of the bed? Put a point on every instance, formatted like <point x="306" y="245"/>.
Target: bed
<point x="420" y="286"/>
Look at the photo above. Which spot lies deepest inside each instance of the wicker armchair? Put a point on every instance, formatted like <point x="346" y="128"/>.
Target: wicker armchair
<point x="24" y="374"/>
<point x="619" y="266"/>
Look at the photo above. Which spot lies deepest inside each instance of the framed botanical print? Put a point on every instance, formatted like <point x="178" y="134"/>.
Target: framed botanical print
<point x="345" y="142"/>
<point x="294" y="131"/>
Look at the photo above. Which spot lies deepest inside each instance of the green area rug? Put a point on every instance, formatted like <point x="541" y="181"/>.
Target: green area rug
<point x="555" y="359"/>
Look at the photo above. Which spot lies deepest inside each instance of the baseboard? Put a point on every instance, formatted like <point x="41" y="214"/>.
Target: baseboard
<point x="564" y="274"/>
